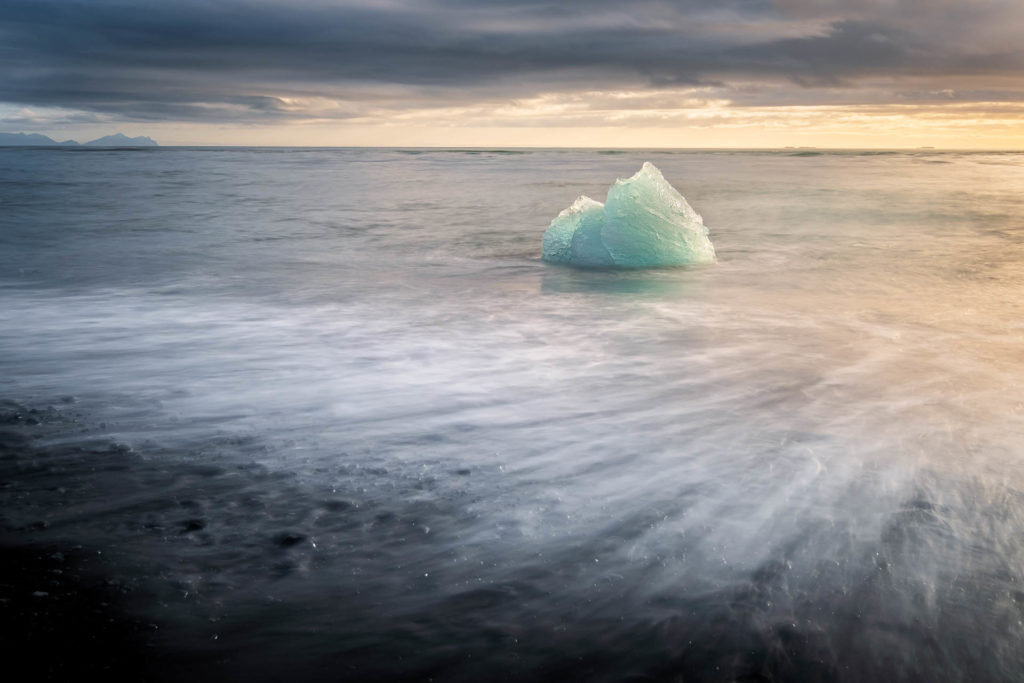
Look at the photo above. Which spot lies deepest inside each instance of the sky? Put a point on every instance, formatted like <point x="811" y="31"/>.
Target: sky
<point x="597" y="73"/>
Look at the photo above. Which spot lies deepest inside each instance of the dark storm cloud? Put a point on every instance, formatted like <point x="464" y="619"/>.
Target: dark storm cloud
<point x="243" y="60"/>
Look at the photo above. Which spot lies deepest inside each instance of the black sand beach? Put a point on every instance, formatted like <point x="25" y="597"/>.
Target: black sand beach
<point x="62" y="615"/>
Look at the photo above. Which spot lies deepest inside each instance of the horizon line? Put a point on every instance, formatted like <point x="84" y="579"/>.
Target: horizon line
<point x="924" y="148"/>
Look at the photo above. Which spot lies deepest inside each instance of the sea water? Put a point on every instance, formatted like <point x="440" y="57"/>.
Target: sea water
<point x="332" y="418"/>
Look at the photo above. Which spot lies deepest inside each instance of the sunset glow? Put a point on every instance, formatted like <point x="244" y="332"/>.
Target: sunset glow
<point x="459" y="73"/>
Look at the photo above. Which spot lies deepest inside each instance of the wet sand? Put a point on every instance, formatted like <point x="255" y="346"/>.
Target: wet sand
<point x="61" y="616"/>
<point x="61" y="620"/>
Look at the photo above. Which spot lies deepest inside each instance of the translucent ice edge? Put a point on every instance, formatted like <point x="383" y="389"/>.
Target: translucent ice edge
<point x="644" y="223"/>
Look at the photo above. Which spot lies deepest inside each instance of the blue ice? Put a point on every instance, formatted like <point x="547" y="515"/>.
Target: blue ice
<point x="644" y="223"/>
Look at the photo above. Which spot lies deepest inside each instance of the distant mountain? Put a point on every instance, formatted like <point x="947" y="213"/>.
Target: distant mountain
<point x="29" y="140"/>
<point x="37" y="140"/>
<point x="121" y="140"/>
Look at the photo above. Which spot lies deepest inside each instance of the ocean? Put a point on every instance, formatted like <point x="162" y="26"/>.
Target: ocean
<point x="324" y="414"/>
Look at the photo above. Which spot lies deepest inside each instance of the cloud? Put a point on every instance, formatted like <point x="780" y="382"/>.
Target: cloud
<point x="266" y="61"/>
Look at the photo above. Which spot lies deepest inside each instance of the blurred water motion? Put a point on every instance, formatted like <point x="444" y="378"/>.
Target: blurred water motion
<point x="332" y="416"/>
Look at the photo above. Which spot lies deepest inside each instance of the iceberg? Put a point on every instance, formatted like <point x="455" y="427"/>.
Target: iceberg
<point x="644" y="223"/>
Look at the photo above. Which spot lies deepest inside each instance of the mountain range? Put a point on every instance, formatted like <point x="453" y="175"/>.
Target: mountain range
<point x="37" y="140"/>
